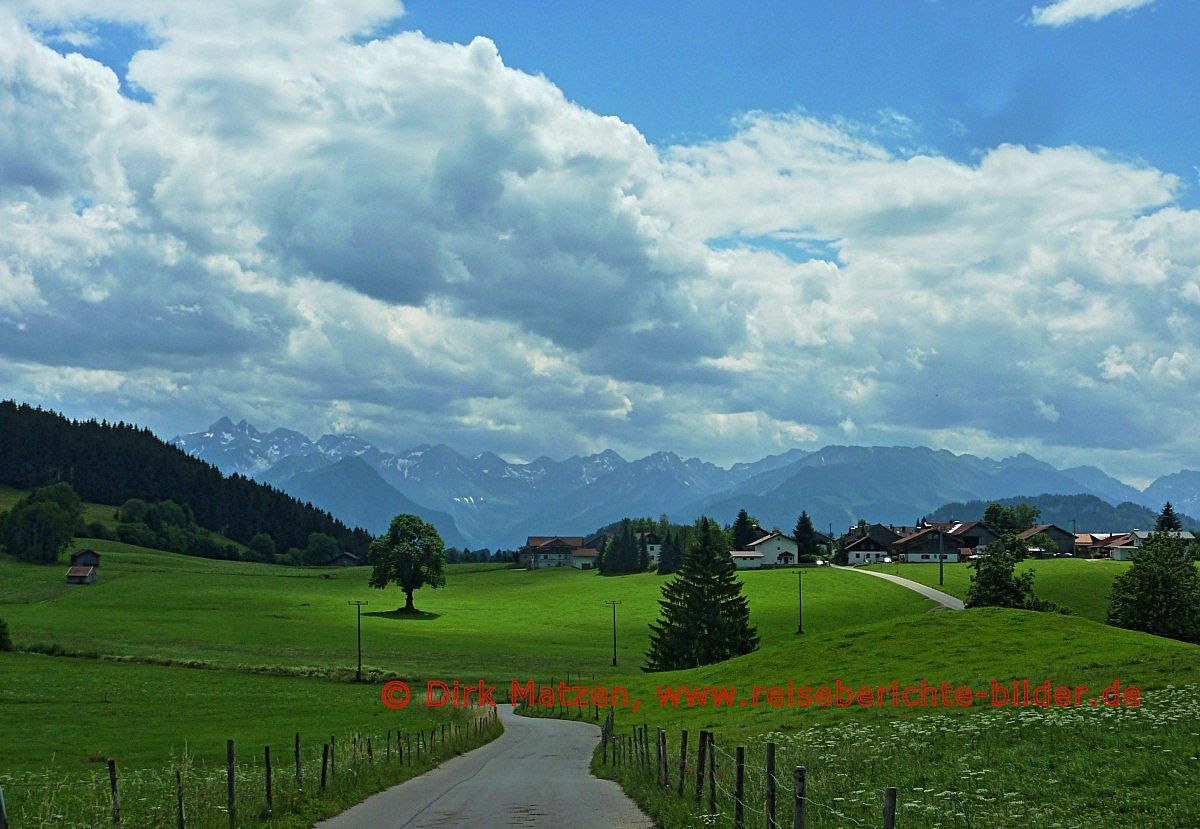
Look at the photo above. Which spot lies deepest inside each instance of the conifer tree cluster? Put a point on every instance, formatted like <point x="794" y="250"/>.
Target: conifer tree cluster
<point x="704" y="618"/>
<point x="671" y="557"/>
<point x="623" y="553"/>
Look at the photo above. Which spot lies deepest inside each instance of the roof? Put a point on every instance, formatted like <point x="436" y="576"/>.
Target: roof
<point x="1041" y="528"/>
<point x="345" y="555"/>
<point x="584" y="552"/>
<point x="1183" y="534"/>
<point x="878" y="533"/>
<point x="78" y="553"/>
<point x="542" y="540"/>
<point x="745" y="554"/>
<point x="768" y="537"/>
<point x="80" y="572"/>
<point x="906" y="540"/>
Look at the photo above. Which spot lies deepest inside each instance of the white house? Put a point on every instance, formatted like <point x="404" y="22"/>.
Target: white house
<point x="1139" y="537"/>
<point x="653" y="545"/>
<point x="778" y="550"/>
<point x="583" y="558"/>
<point x="747" y="559"/>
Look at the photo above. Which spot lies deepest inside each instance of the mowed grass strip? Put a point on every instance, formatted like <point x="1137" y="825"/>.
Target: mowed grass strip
<point x="493" y="623"/>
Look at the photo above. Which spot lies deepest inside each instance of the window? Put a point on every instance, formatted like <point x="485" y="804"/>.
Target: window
<point x="925" y="558"/>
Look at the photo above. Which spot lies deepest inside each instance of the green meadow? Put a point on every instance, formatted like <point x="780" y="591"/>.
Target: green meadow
<point x="167" y="656"/>
<point x="1081" y="585"/>
<point x="489" y="622"/>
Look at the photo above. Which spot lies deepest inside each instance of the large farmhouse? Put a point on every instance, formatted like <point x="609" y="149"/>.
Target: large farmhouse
<point x="557" y="551"/>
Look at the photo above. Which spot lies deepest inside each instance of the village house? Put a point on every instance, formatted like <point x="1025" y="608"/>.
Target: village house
<point x="1138" y="538"/>
<point x="869" y="543"/>
<point x="931" y="543"/>
<point x="778" y="550"/>
<point x="558" y="551"/>
<point x="1063" y="540"/>
<point x="746" y="559"/>
<point x="653" y="545"/>
<point x="345" y="560"/>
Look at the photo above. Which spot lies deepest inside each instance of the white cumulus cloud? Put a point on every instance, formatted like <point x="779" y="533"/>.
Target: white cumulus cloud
<point x="1066" y="12"/>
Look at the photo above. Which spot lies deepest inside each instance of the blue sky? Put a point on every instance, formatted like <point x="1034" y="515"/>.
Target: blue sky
<point x="969" y="73"/>
<point x="548" y="229"/>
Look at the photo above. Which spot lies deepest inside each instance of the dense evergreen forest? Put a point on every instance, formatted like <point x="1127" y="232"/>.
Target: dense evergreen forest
<point x="111" y="463"/>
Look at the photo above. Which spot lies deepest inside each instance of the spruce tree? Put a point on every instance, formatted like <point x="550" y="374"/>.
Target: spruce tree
<point x="806" y="539"/>
<point x="1168" y="520"/>
<point x="704" y="617"/>
<point x="671" y="556"/>
<point x="744" y="531"/>
<point x="1160" y="592"/>
<point x="643" y="553"/>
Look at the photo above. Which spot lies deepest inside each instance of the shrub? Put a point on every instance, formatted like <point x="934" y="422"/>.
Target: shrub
<point x="1160" y="592"/>
<point x="5" y="641"/>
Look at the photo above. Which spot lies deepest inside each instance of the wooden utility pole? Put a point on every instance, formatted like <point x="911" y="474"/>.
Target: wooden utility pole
<point x="358" y="605"/>
<point x="614" y="609"/>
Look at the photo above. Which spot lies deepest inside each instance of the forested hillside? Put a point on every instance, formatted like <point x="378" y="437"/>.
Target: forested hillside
<point x="110" y="463"/>
<point x="1089" y="513"/>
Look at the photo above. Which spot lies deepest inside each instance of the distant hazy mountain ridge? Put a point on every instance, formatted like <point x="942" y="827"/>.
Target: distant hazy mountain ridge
<point x="487" y="501"/>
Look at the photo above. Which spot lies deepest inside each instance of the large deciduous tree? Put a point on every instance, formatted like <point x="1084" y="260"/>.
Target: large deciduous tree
<point x="410" y="555"/>
<point x="995" y="583"/>
<point x="40" y="526"/>
<point x="1160" y="592"/>
<point x="705" y="617"/>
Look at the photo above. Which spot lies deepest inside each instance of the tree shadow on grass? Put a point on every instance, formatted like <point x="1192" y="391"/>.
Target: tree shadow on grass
<point x="403" y="615"/>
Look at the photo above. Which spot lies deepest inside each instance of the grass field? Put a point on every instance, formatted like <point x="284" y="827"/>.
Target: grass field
<point x="964" y="767"/>
<point x="491" y="621"/>
<point x="954" y="767"/>
<point x="1079" y="584"/>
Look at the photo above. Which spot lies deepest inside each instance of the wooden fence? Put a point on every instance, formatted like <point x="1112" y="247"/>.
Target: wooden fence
<point x="247" y="801"/>
<point x="645" y="751"/>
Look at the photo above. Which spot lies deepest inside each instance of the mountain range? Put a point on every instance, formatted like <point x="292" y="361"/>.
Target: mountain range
<point x="486" y="501"/>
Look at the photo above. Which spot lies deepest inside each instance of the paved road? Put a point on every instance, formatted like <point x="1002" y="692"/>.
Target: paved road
<point x="944" y="599"/>
<point x="535" y="774"/>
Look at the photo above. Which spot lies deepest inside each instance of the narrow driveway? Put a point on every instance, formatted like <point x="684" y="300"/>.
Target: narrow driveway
<point x="535" y="774"/>
<point x="944" y="599"/>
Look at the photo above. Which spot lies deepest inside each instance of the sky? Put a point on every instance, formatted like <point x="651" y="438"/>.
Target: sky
<point x="549" y="229"/>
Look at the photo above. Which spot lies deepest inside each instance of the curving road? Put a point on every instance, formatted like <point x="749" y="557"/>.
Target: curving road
<point x="535" y="774"/>
<point x="944" y="599"/>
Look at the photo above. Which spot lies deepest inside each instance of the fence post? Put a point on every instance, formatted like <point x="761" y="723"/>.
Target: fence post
<point x="267" y="759"/>
<point x="231" y="777"/>
<point x="116" y="794"/>
<point x="370" y="753"/>
<point x="299" y="767"/>
<point x="701" y="750"/>
<point x="712" y="773"/>
<point x="332" y="761"/>
<point x="800" y="807"/>
<point x="658" y="756"/>
<point x="770" y="804"/>
<point x="178" y="800"/>
<point x="889" y="808"/>
<point x="3" y="811"/>
<point x="324" y="763"/>
<point x="739" y="791"/>
<point x="682" y="760"/>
